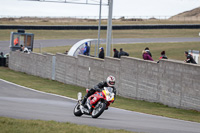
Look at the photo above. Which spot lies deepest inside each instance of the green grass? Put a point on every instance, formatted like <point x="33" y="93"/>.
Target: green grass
<point x="172" y="50"/>
<point x="71" y="91"/>
<point x="82" y="34"/>
<point x="9" y="125"/>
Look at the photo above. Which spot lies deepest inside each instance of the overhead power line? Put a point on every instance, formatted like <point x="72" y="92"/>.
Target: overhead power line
<point x="88" y="2"/>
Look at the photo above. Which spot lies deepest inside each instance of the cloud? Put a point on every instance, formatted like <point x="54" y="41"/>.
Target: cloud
<point x="120" y="8"/>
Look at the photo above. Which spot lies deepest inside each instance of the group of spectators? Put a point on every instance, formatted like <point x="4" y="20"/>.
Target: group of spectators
<point x="146" y="54"/>
<point x="117" y="54"/>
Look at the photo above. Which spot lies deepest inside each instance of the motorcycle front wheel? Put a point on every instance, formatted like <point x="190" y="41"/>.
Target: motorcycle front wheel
<point x="98" y="110"/>
<point x="77" y="110"/>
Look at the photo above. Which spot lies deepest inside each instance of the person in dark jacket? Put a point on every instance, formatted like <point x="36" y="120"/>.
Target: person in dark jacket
<point x="122" y="53"/>
<point x="116" y="53"/>
<point x="189" y="58"/>
<point x="146" y="56"/>
<point x="147" y="50"/>
<point x="163" y="56"/>
<point x="110" y="82"/>
<point x="1" y="55"/>
<point x="101" y="53"/>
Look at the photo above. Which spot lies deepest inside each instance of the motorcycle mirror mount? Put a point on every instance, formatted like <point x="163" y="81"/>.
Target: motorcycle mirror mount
<point x="79" y="96"/>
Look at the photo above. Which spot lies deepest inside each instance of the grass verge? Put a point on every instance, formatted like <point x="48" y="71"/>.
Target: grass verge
<point x="71" y="91"/>
<point x="9" y="125"/>
<point x="173" y="50"/>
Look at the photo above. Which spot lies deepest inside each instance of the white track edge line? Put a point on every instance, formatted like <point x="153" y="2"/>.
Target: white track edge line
<point x="37" y="90"/>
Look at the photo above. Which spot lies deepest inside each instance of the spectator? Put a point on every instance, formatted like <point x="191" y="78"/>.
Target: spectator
<point x="116" y="53"/>
<point x="147" y="50"/>
<point x="1" y="55"/>
<point x="122" y="53"/>
<point x="86" y="49"/>
<point x="25" y="50"/>
<point x="16" y="41"/>
<point x="21" y="48"/>
<point x="66" y="52"/>
<point x="163" y="56"/>
<point x="101" y="53"/>
<point x="146" y="56"/>
<point x="189" y="58"/>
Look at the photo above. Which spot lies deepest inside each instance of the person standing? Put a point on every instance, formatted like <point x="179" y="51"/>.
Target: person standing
<point x="86" y="49"/>
<point x="146" y="56"/>
<point x="1" y="55"/>
<point x="122" y="53"/>
<point x="101" y="53"/>
<point x="16" y="41"/>
<point x="189" y="58"/>
<point x="116" y="53"/>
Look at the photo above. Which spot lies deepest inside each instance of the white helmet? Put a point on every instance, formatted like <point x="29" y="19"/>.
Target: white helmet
<point x="111" y="80"/>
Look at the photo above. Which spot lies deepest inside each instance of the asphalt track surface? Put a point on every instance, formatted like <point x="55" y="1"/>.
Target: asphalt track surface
<point x="4" y="45"/>
<point x="25" y="103"/>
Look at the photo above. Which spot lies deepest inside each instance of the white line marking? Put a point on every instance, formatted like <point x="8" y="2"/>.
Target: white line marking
<point x="37" y="90"/>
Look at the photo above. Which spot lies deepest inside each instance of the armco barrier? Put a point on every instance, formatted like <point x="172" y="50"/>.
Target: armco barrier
<point x="103" y="27"/>
<point x="172" y="83"/>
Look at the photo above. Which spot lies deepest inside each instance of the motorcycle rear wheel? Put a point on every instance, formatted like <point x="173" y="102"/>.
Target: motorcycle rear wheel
<point x="98" y="110"/>
<point x="77" y="110"/>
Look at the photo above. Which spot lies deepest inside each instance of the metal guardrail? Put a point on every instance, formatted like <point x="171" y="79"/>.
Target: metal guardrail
<point x="93" y="27"/>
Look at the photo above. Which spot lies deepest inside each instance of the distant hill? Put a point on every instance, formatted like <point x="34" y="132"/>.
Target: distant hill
<point x="193" y="14"/>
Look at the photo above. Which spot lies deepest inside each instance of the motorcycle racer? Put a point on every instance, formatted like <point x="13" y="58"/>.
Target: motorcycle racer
<point x="110" y="82"/>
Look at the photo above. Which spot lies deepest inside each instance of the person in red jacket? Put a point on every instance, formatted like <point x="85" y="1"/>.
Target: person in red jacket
<point x="16" y="41"/>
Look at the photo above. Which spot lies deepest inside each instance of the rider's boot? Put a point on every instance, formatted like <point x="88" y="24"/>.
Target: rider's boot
<point x="90" y="92"/>
<point x="84" y="100"/>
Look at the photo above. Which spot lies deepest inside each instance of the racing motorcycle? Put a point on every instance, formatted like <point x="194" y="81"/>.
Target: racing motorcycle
<point x="96" y="103"/>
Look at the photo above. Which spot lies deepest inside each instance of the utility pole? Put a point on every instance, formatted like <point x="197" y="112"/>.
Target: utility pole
<point x="99" y="28"/>
<point x="109" y="28"/>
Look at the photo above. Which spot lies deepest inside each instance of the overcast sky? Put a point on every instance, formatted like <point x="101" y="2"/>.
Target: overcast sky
<point x="120" y="8"/>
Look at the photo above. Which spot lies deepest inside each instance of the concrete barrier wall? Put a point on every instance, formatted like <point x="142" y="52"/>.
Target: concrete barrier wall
<point x="179" y="84"/>
<point x="139" y="79"/>
<point x="33" y="63"/>
<point x="172" y="83"/>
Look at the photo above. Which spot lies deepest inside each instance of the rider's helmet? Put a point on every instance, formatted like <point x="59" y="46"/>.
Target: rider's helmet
<point x="111" y="80"/>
